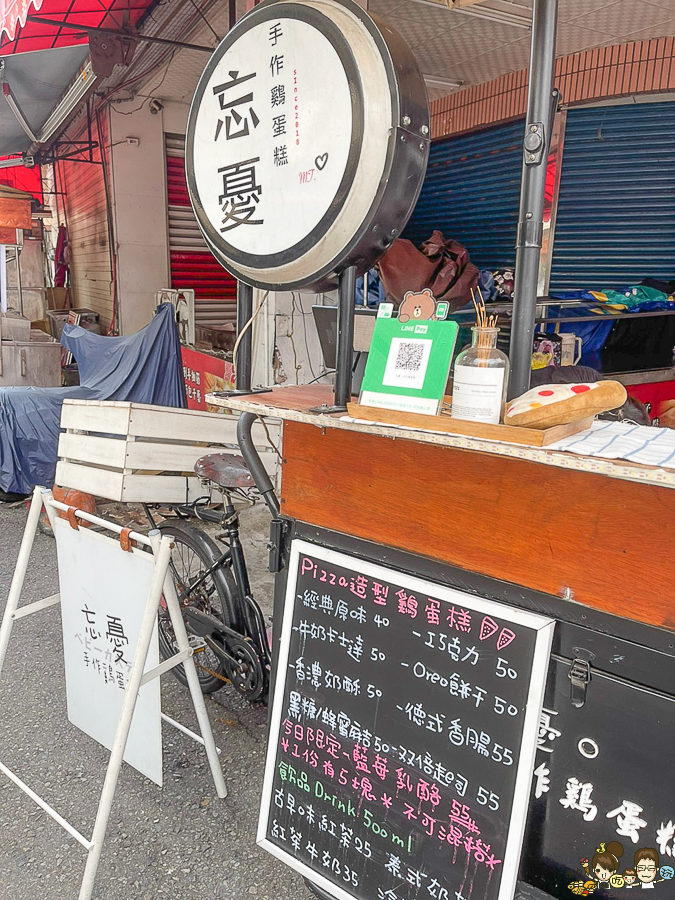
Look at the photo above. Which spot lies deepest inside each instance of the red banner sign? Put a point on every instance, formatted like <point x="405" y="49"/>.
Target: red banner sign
<point x="204" y="374"/>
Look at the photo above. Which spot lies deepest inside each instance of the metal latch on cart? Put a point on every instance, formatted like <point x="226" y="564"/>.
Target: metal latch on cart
<point x="276" y="545"/>
<point x="579" y="676"/>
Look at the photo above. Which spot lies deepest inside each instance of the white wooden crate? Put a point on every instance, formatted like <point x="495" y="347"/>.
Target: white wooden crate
<point x="136" y="453"/>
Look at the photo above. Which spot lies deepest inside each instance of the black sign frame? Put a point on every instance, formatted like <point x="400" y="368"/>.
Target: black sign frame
<point x="541" y="630"/>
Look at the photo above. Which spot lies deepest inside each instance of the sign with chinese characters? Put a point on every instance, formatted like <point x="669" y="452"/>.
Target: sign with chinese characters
<point x="103" y="597"/>
<point x="293" y="142"/>
<point x="403" y="734"/>
<point x="602" y="813"/>
<point x="204" y="374"/>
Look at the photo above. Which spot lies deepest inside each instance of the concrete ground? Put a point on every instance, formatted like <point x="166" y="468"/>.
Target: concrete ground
<point x="180" y="841"/>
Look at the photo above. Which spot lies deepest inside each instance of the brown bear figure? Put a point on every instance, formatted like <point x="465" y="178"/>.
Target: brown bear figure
<point x="417" y="306"/>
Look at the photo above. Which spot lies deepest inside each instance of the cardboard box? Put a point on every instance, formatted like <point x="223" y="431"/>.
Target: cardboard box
<point x="57" y="298"/>
<point x="41" y="325"/>
<point x="15" y="213"/>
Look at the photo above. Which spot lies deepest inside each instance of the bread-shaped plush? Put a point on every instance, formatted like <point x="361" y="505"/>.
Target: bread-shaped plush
<point x="558" y="404"/>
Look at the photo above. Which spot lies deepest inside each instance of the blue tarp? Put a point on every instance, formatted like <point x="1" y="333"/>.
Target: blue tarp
<point x="144" y="368"/>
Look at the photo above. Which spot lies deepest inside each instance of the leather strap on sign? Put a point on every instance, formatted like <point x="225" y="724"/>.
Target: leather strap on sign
<point x="70" y="515"/>
<point x="125" y="540"/>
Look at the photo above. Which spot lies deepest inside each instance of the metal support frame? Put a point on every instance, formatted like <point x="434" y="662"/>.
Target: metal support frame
<point x="345" y="339"/>
<point x="14" y="105"/>
<point x="242" y="363"/>
<point x="342" y="391"/>
<point x="162" y="586"/>
<point x="537" y="139"/>
<point x="72" y="151"/>
<point x="91" y="29"/>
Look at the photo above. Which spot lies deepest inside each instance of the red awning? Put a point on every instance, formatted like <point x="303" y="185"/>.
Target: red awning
<point x="20" y="36"/>
<point x="23" y="179"/>
<point x="13" y="13"/>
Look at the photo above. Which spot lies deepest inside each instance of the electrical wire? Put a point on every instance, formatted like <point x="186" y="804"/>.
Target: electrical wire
<point x="304" y="325"/>
<point x="245" y="328"/>
<point x="269" y="438"/>
<point x="322" y="375"/>
<point x="209" y="25"/>
<point x="151" y="91"/>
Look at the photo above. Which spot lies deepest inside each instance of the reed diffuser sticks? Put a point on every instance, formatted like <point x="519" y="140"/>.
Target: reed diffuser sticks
<point x="485" y="325"/>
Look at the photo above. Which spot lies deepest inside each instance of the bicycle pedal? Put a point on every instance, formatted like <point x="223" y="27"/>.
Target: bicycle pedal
<point x="197" y="644"/>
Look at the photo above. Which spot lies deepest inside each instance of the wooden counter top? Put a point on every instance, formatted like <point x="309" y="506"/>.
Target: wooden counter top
<point x="293" y="404"/>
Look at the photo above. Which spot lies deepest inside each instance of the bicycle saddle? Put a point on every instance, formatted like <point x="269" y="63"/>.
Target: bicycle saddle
<point x="225" y="470"/>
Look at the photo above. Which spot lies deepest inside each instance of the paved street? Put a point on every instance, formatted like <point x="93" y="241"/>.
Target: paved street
<point x="180" y="841"/>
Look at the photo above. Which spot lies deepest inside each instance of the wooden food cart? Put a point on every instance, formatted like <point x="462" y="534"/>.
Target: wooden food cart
<point x="582" y="542"/>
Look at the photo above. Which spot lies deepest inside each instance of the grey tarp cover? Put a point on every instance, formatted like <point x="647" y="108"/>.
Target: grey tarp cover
<point x="144" y="367"/>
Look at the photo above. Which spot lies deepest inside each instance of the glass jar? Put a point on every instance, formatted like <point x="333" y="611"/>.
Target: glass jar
<point x="481" y="376"/>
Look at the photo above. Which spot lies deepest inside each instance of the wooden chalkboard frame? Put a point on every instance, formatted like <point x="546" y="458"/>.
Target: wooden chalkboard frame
<point x="541" y="625"/>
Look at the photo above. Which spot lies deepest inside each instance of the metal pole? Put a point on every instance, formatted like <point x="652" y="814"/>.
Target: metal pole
<point x="3" y="278"/>
<point x="345" y="338"/>
<point x="162" y="559"/>
<point x="536" y="143"/>
<point x="244" y="313"/>
<point x="191" y="674"/>
<point x="20" y="571"/>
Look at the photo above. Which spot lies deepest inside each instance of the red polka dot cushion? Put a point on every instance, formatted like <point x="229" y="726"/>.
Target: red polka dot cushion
<point x="558" y="404"/>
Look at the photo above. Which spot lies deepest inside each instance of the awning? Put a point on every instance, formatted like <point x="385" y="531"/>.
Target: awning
<point x="13" y="13"/>
<point x="18" y="34"/>
<point x="37" y="81"/>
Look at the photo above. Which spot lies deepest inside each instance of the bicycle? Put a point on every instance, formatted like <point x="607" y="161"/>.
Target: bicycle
<point x="222" y="617"/>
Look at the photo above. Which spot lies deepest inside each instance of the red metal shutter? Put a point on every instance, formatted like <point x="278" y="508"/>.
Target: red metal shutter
<point x="192" y="265"/>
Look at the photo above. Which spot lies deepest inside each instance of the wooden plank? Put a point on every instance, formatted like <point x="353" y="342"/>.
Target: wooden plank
<point x="605" y="539"/>
<point x="532" y="437"/>
<point x="99" y="482"/>
<point x="87" y="448"/>
<point x="214" y="428"/>
<point x="112" y="419"/>
<point x="149" y="421"/>
<point x="300" y="397"/>
<point x="161" y="489"/>
<point x="158" y="457"/>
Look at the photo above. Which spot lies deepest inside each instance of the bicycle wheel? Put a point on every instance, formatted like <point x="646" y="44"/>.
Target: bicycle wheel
<point x="194" y="552"/>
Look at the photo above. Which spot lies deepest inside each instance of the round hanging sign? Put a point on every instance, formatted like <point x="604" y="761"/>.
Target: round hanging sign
<point x="307" y="143"/>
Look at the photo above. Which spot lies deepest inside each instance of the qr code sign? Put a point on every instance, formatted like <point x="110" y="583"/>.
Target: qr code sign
<point x="409" y="356"/>
<point x="407" y="363"/>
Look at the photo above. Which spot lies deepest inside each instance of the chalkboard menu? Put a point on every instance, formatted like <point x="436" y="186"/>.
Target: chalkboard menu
<point x="403" y="735"/>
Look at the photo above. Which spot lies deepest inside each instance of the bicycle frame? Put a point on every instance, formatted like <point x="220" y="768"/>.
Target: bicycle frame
<point x="233" y="556"/>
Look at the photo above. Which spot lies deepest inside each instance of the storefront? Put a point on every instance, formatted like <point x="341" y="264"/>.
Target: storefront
<point x="465" y="626"/>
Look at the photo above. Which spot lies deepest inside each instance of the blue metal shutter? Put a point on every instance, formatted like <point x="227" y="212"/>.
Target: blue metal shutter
<point x="616" y="210"/>
<point x="471" y="193"/>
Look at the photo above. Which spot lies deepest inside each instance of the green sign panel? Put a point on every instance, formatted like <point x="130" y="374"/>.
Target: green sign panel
<point x="408" y="365"/>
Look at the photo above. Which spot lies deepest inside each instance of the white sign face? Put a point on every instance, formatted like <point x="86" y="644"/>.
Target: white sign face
<point x="272" y="137"/>
<point x="305" y="148"/>
<point x="104" y="591"/>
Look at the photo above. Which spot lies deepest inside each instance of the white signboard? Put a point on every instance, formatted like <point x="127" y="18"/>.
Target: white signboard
<point x="280" y="150"/>
<point x="291" y="134"/>
<point x="103" y="597"/>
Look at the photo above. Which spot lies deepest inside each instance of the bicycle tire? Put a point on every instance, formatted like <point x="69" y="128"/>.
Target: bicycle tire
<point x="218" y="598"/>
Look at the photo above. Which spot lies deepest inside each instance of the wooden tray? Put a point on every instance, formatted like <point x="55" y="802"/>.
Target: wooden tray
<point x="533" y="437"/>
